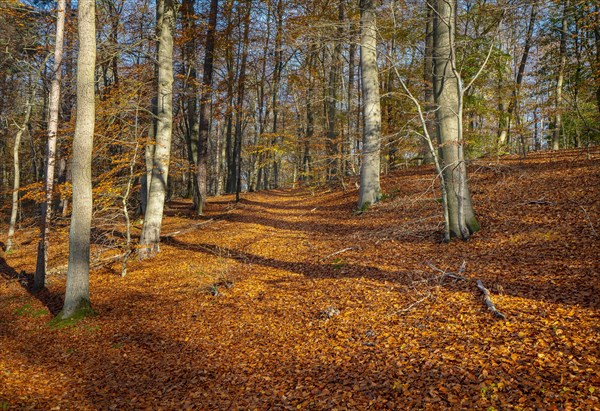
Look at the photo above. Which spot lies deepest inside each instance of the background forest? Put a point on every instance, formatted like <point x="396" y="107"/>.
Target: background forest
<point x="285" y="99"/>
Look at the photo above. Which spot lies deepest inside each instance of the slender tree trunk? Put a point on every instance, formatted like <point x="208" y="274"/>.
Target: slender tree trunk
<point x="428" y="78"/>
<point x="556" y="132"/>
<point x="262" y="110"/>
<point x="205" y="101"/>
<point x="370" y="189"/>
<point x="39" y="280"/>
<point x="448" y="94"/>
<point x="149" y="158"/>
<point x="192" y="130"/>
<point x="17" y="171"/>
<point x="275" y="90"/>
<point x="597" y="70"/>
<point x="310" y="115"/>
<point x="239" y="112"/>
<point x="77" y="296"/>
<point x="231" y="75"/>
<point x="332" y="95"/>
<point x="508" y="115"/>
<point x="150" y="237"/>
<point x="349" y="164"/>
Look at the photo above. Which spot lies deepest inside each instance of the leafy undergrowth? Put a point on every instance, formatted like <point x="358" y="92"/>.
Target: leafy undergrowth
<point x="291" y="300"/>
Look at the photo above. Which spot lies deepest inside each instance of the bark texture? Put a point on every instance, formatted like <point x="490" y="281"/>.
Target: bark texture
<point x="17" y="173"/>
<point x="77" y="295"/>
<point x="448" y="95"/>
<point x="370" y="189"/>
<point x="39" y="280"/>
<point x="560" y="78"/>
<point x="150" y="237"/>
<point x="205" y="100"/>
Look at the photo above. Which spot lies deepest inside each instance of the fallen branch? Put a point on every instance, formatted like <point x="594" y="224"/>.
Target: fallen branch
<point x="488" y="300"/>
<point x="589" y="221"/>
<point x="411" y="306"/>
<point x="308" y="212"/>
<point x="459" y="276"/>
<point x="338" y="252"/>
<point x="541" y="201"/>
<point x="187" y="230"/>
<point x="456" y="276"/>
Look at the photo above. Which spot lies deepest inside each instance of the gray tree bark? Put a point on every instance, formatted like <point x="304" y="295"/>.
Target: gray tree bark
<point x="428" y="78"/>
<point x="39" y="280"/>
<point x="520" y="72"/>
<point x="448" y="95"/>
<point x="239" y="114"/>
<point x="370" y="189"/>
<point x="560" y="78"/>
<point x="150" y="237"/>
<point x="192" y="130"/>
<point x="17" y="172"/>
<point x="333" y="160"/>
<point x="77" y="295"/>
<point x="205" y="99"/>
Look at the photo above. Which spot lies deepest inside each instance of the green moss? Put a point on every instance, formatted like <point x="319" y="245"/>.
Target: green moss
<point x="83" y="310"/>
<point x="28" y="310"/>
<point x="364" y="208"/>
<point x="473" y="225"/>
<point x="338" y="263"/>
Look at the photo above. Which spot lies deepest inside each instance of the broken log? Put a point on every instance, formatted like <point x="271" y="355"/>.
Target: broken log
<point x="488" y="301"/>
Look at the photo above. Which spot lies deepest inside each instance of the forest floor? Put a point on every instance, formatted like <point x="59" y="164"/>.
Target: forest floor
<point x="292" y="300"/>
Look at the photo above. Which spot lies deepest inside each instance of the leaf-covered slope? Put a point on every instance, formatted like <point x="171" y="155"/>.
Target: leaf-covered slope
<point x="291" y="300"/>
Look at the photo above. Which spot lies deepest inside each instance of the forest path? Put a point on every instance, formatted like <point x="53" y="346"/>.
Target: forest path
<point x="241" y="312"/>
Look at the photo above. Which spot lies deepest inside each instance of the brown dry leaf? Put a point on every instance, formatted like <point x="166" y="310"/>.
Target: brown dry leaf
<point x="161" y="341"/>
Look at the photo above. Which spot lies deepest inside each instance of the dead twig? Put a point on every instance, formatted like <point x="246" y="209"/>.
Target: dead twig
<point x="541" y="201"/>
<point x="459" y="276"/>
<point x="412" y="305"/>
<point x="589" y="221"/>
<point x="338" y="252"/>
<point x="447" y="274"/>
<point x="187" y="230"/>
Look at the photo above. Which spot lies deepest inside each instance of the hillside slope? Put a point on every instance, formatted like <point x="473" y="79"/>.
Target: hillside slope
<point x="291" y="300"/>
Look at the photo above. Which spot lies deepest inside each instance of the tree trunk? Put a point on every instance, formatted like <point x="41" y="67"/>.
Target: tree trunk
<point x="310" y="115"/>
<point x="349" y="163"/>
<point x="275" y="90"/>
<point x="448" y="94"/>
<point x="192" y="129"/>
<point x="560" y="79"/>
<point x="205" y="101"/>
<point x="370" y="189"/>
<point x="77" y="296"/>
<point x="597" y="70"/>
<point x="332" y="88"/>
<point x="39" y="280"/>
<point x="229" y="61"/>
<point x="17" y="171"/>
<point x="239" y="112"/>
<point x="508" y="116"/>
<point x="150" y="237"/>
<point x="428" y="78"/>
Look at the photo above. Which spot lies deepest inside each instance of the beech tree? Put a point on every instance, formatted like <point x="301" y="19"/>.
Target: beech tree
<point x="150" y="237"/>
<point x="370" y="190"/>
<point x="448" y="96"/>
<point x="205" y="100"/>
<point x="39" y="280"/>
<point x="558" y="103"/>
<point x="77" y="295"/>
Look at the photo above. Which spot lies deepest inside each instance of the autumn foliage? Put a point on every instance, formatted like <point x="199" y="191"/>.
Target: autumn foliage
<point x="291" y="300"/>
